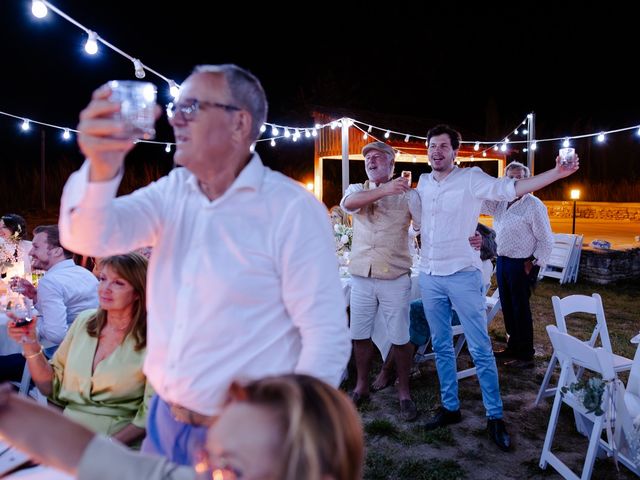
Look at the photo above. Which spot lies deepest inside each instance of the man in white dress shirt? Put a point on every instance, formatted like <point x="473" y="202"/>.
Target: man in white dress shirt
<point x="450" y="269"/>
<point x="243" y="279"/>
<point x="525" y="240"/>
<point x="65" y="290"/>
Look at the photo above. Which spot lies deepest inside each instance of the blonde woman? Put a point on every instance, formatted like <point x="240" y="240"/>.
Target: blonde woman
<point x="287" y="427"/>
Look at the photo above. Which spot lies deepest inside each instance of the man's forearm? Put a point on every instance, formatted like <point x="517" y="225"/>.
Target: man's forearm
<point x="362" y="199"/>
<point x="43" y="433"/>
<point x="531" y="184"/>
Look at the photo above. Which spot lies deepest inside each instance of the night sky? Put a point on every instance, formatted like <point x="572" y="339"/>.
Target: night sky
<point x="480" y="69"/>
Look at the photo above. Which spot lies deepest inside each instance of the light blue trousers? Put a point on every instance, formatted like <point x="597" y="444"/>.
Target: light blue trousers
<point x="464" y="292"/>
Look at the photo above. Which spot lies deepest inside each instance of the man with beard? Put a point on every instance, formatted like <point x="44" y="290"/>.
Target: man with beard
<point x="383" y="210"/>
<point x="65" y="290"/>
<point x="450" y="269"/>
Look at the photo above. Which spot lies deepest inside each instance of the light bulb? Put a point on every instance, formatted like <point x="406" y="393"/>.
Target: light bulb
<point x="272" y="142"/>
<point x="66" y="134"/>
<point x="263" y="128"/>
<point x="39" y="9"/>
<point x="406" y="139"/>
<point x="91" y="47"/>
<point x="601" y="137"/>
<point x="168" y="148"/>
<point x="174" y="89"/>
<point x="566" y="143"/>
<point x="476" y="147"/>
<point x="386" y="135"/>
<point x="137" y="64"/>
<point x="274" y="131"/>
<point x="25" y="124"/>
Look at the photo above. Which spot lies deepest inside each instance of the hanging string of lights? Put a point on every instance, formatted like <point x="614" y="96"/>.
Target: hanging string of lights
<point x="40" y="9"/>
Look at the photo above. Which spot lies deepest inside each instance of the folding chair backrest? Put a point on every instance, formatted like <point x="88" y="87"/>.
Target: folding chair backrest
<point x="633" y="384"/>
<point x="571" y="349"/>
<point x="583" y="304"/>
<point x="559" y="265"/>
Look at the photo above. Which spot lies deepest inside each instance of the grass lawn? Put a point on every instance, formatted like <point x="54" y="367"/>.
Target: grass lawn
<point x="399" y="450"/>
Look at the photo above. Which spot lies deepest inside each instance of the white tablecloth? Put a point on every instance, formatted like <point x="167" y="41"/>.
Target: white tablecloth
<point x="7" y="346"/>
<point x="40" y="473"/>
<point x="379" y="336"/>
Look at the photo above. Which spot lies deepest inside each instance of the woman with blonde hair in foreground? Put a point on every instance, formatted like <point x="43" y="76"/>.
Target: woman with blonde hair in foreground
<point x="286" y="427"/>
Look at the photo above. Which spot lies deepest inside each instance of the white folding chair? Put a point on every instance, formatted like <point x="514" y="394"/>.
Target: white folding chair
<point x="572" y="353"/>
<point x="580" y="304"/>
<point x="574" y="261"/>
<point x="493" y="307"/>
<point x="558" y="264"/>
<point x="632" y="395"/>
<point x="25" y="388"/>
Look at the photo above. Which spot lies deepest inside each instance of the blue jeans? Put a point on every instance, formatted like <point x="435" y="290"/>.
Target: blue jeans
<point x="462" y="291"/>
<point x="170" y="438"/>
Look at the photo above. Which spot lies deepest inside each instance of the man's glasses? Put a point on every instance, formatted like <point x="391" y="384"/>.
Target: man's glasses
<point x="189" y="108"/>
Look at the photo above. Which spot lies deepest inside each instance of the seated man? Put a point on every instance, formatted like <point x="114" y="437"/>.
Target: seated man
<point x="65" y="290"/>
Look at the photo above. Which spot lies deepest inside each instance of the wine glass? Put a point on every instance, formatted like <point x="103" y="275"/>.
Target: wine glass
<point x="22" y="308"/>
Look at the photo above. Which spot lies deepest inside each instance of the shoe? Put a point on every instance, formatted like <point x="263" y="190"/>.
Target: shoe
<point x="520" y="364"/>
<point x="443" y="417"/>
<point x="498" y="433"/>
<point x="360" y="399"/>
<point x="505" y="353"/>
<point x="408" y="410"/>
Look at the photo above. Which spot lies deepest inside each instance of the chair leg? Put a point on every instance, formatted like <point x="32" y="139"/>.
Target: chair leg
<point x="594" y="441"/>
<point x="544" y="392"/>
<point x="551" y="428"/>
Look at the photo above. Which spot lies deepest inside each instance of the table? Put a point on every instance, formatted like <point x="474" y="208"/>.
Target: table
<point x="7" y="346"/>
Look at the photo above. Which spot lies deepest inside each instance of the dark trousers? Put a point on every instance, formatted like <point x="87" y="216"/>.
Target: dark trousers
<point x="515" y="289"/>
<point x="11" y="367"/>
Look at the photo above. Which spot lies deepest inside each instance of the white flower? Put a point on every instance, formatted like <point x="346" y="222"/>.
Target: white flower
<point x="344" y="239"/>
<point x="336" y="227"/>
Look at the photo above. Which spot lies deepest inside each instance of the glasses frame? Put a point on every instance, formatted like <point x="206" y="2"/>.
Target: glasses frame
<point x="190" y="108"/>
<point x="207" y="469"/>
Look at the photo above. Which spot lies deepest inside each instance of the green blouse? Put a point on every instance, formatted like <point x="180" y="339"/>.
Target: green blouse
<point x="114" y="395"/>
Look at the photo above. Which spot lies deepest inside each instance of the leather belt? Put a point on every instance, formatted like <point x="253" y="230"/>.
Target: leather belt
<point x="184" y="415"/>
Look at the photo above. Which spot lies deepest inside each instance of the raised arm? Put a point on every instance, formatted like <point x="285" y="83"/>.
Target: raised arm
<point x="41" y="371"/>
<point x="363" y="198"/>
<point x="97" y="130"/>
<point x="531" y="184"/>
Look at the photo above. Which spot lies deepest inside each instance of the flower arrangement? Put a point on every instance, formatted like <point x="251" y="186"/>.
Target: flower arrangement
<point x="589" y="393"/>
<point x="8" y="255"/>
<point x="633" y="439"/>
<point x="343" y="237"/>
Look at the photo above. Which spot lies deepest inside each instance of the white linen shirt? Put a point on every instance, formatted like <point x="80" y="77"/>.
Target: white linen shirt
<point x="523" y="229"/>
<point x="240" y="287"/>
<point x="450" y="211"/>
<point x="65" y="290"/>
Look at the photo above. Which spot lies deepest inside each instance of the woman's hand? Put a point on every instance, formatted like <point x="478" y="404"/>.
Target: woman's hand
<point x="26" y="334"/>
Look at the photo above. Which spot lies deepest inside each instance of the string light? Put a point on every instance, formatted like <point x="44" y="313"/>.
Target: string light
<point x="39" y="9"/>
<point x="566" y="143"/>
<point x="601" y="137"/>
<point x="168" y="148"/>
<point x="66" y="131"/>
<point x="139" y="69"/>
<point x="91" y="47"/>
